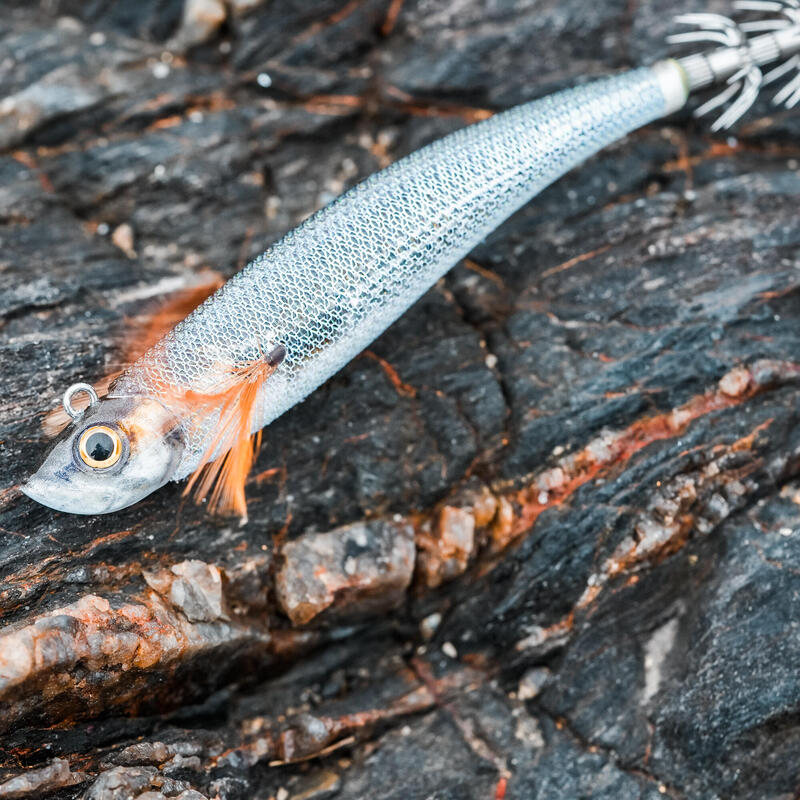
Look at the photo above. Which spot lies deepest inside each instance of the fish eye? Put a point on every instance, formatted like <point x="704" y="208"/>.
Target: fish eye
<point x="100" y="447"/>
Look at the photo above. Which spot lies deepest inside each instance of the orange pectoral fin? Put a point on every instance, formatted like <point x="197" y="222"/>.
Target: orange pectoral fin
<point x="222" y="479"/>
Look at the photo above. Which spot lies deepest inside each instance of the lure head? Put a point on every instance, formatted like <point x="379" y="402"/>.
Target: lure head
<point x="115" y="453"/>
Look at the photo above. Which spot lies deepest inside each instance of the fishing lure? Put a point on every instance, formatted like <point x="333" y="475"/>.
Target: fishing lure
<point x="194" y="404"/>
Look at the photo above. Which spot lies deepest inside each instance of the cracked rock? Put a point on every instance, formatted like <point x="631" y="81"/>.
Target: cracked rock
<point x="192" y="586"/>
<point x="352" y="570"/>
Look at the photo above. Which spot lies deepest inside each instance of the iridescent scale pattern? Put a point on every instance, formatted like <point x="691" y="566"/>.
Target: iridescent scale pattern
<point x="331" y="286"/>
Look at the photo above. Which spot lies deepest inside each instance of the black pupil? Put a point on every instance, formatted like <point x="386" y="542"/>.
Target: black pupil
<point x="100" y="446"/>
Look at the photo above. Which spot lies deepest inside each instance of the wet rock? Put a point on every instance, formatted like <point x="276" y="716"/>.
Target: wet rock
<point x="192" y="586"/>
<point x="121" y="783"/>
<point x="608" y="387"/>
<point x="35" y="782"/>
<point x="352" y="570"/>
<point x="308" y="734"/>
<point x="129" y="641"/>
<point x="319" y="787"/>
<point x="742" y="691"/>
<point x="445" y="554"/>
<point x="156" y="753"/>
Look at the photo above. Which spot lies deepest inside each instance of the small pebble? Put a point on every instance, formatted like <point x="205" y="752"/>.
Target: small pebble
<point x="532" y="683"/>
<point x="655" y="283"/>
<point x="429" y="625"/>
<point x="448" y="648"/>
<point x="123" y="238"/>
<point x="735" y="382"/>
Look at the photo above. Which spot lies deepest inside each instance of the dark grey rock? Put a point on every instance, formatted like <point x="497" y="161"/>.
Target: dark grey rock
<point x="586" y="435"/>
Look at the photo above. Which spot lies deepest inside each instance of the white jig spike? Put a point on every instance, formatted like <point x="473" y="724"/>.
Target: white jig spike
<point x="763" y="26"/>
<point x="767" y="6"/>
<point x="790" y="94"/>
<point x="717" y="101"/>
<point x="714" y="26"/>
<point x="738" y="76"/>
<point x="784" y="69"/>
<point x="691" y="37"/>
<point x="743" y="103"/>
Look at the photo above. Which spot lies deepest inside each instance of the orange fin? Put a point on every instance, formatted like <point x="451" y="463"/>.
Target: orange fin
<point x="222" y="480"/>
<point x="140" y="334"/>
<point x="144" y="330"/>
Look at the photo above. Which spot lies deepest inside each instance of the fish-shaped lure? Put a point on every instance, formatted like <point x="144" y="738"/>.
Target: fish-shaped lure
<point x="293" y="317"/>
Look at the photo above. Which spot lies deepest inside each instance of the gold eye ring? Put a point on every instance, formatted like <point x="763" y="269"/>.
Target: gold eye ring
<point x="100" y="447"/>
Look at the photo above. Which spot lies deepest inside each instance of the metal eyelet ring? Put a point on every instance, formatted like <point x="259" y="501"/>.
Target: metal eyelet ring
<point x="77" y="388"/>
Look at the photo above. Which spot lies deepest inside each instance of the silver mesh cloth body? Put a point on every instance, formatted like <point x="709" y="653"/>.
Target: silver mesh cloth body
<point x="331" y="286"/>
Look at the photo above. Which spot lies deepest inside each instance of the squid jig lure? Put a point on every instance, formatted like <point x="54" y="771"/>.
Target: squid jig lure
<point x="194" y="404"/>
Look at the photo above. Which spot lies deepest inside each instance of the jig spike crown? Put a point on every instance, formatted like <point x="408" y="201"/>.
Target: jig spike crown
<point x="745" y="47"/>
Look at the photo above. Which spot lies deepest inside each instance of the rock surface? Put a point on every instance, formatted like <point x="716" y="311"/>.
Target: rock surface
<point x="541" y="540"/>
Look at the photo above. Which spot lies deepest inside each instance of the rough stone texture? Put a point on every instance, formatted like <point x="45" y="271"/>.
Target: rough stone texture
<point x="590" y="426"/>
<point x="364" y="566"/>
<point x="444" y="554"/>
<point x="192" y="586"/>
<point x="55" y="775"/>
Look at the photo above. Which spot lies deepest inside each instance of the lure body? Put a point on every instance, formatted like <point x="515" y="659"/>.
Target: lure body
<point x="313" y="301"/>
<point x="330" y="287"/>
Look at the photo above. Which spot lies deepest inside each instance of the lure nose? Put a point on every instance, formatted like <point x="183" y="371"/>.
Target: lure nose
<point x="68" y="498"/>
<point x="47" y="494"/>
<point x="142" y="435"/>
<point x="37" y="490"/>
